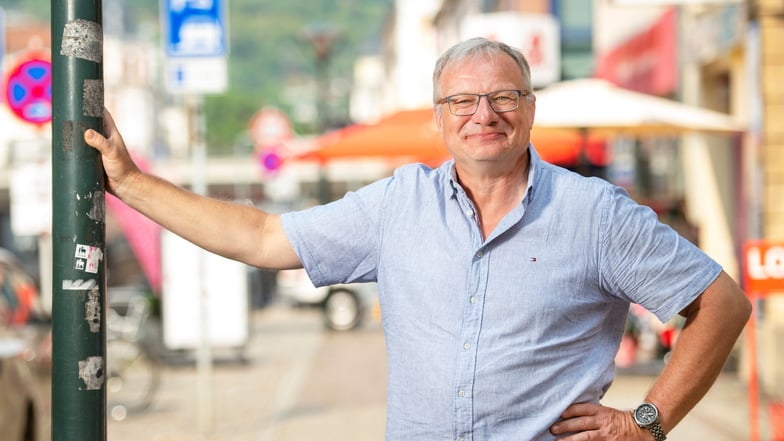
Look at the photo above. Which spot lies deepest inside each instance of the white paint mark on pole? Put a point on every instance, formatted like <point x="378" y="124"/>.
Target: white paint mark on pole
<point x="91" y="371"/>
<point x="79" y="285"/>
<point x="92" y="310"/>
<point x="83" y="39"/>
<point x="98" y="208"/>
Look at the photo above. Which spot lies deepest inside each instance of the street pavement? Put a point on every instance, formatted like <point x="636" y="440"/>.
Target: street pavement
<point x="301" y="382"/>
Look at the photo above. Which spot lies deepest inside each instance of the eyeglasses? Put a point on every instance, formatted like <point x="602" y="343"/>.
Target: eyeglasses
<point x="466" y="104"/>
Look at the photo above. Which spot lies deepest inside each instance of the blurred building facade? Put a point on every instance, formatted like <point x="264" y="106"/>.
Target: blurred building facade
<point x="720" y="55"/>
<point x="767" y="147"/>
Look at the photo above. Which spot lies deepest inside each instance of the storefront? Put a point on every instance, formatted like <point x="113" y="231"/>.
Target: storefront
<point x="692" y="180"/>
<point x="650" y="168"/>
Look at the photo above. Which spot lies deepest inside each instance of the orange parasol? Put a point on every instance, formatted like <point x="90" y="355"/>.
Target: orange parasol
<point x="411" y="135"/>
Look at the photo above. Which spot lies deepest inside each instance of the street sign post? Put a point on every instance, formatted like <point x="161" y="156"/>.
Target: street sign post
<point x="196" y="47"/>
<point x="763" y="275"/>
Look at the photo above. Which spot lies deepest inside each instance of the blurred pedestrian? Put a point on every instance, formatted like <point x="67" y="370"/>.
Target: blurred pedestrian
<point x="504" y="281"/>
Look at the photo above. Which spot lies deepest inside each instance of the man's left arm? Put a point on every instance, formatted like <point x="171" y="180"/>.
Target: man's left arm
<point x="713" y="323"/>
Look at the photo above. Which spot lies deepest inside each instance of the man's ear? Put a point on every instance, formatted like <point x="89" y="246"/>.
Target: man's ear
<point x="439" y="121"/>
<point x="532" y="113"/>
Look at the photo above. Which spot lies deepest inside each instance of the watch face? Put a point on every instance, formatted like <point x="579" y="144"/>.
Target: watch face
<point x="646" y="414"/>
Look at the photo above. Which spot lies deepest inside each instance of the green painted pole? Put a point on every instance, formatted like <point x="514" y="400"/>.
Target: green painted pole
<point x="78" y="225"/>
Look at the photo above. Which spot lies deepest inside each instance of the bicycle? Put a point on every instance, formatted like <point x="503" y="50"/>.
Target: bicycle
<point x="133" y="368"/>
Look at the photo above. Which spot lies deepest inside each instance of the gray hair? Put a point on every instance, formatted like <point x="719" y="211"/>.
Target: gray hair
<point x="476" y="47"/>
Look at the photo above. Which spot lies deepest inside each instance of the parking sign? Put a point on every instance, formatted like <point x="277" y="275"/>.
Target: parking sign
<point x="195" y="28"/>
<point x="196" y="46"/>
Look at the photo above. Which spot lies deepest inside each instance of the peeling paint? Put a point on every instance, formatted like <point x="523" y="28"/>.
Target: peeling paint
<point x="92" y="98"/>
<point x="98" y="209"/>
<point x="68" y="130"/>
<point x="83" y="39"/>
<point x="79" y="285"/>
<point x="83" y="126"/>
<point x="91" y="371"/>
<point x="92" y="310"/>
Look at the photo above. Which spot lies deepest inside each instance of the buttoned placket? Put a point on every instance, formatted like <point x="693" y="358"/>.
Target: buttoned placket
<point x="469" y="336"/>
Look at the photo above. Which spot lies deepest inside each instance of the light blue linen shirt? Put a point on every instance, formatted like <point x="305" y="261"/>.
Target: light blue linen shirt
<point x="492" y="339"/>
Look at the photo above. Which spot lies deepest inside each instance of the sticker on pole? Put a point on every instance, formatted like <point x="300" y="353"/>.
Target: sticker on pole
<point x="28" y="90"/>
<point x="88" y="258"/>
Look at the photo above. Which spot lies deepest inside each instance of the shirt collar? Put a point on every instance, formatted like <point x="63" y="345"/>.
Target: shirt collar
<point x="534" y="170"/>
<point x="535" y="164"/>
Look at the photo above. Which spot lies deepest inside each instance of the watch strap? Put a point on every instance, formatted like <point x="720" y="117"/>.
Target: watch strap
<point x="657" y="431"/>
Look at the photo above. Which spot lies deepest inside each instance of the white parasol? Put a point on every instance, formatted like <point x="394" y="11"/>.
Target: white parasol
<point x="598" y="106"/>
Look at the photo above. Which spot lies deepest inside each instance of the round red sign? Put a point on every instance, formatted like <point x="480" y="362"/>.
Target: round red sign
<point x="28" y="91"/>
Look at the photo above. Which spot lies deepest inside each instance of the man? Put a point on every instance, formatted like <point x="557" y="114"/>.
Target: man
<point x="504" y="281"/>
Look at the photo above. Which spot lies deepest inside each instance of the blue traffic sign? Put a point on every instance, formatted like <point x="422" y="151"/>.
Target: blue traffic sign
<point x="195" y="28"/>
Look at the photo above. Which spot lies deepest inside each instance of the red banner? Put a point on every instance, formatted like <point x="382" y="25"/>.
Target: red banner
<point x="647" y="62"/>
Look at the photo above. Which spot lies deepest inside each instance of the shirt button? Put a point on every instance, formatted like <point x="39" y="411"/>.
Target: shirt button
<point x="469" y="212"/>
<point x="461" y="439"/>
<point x="473" y="300"/>
<point x="479" y="254"/>
<point x="467" y="346"/>
<point x="461" y="393"/>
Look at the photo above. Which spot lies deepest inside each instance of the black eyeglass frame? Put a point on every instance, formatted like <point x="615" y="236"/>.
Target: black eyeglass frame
<point x="488" y="96"/>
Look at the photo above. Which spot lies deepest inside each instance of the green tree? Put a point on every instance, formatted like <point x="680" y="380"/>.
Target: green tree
<point x="267" y="50"/>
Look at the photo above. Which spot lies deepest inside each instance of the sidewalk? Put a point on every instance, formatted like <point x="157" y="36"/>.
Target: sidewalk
<point x="301" y="383"/>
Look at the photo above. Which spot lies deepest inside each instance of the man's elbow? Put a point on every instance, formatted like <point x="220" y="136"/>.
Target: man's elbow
<point x="731" y="300"/>
<point x="744" y="308"/>
<point x="724" y="301"/>
<point x="739" y="301"/>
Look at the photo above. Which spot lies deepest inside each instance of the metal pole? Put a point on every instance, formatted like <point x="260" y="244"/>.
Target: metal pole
<point x="204" y="352"/>
<point x="78" y="224"/>
<point x="754" y="394"/>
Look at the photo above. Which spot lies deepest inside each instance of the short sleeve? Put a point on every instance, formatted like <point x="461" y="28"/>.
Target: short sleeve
<point x="646" y="261"/>
<point x="338" y="242"/>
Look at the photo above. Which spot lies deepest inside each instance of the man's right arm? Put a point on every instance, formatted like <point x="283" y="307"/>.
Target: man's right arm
<point x="232" y="230"/>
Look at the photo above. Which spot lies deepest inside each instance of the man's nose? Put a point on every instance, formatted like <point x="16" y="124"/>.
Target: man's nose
<point x="484" y="110"/>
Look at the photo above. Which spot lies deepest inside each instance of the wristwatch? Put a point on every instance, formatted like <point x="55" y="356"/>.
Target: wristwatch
<point x="646" y="415"/>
